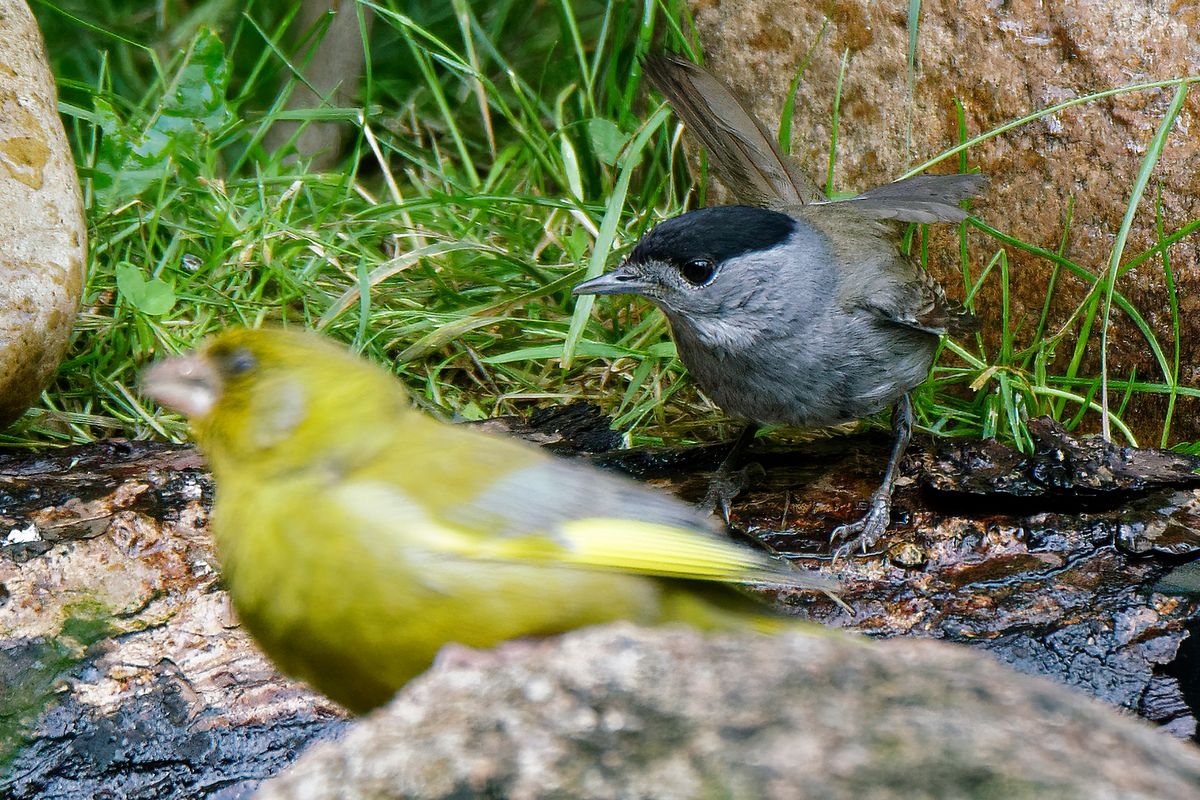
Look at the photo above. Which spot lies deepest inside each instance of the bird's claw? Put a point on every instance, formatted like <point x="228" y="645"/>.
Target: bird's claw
<point x="869" y="528"/>
<point x="726" y="484"/>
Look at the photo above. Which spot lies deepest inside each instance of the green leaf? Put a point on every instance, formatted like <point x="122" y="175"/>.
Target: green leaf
<point x="576" y="244"/>
<point x="136" y="154"/>
<point x="584" y="348"/>
<point x="154" y="296"/>
<point x="195" y="102"/>
<point x="472" y="412"/>
<point x="607" y="139"/>
<point x="608" y="231"/>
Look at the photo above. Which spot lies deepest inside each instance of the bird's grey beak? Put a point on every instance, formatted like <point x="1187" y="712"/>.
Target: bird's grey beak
<point x="622" y="280"/>
<point x="187" y="384"/>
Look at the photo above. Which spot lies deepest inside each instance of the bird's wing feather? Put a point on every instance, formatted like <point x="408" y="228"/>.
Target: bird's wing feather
<point x="747" y="159"/>
<point x="549" y="491"/>
<point x="648" y="548"/>
<point x="540" y="509"/>
<point x="925" y="307"/>
<point x="608" y="521"/>
<point x="922" y="198"/>
<point x="744" y="155"/>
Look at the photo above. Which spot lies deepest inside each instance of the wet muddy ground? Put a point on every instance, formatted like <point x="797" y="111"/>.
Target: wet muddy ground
<point x="126" y="674"/>
<point x="1050" y="561"/>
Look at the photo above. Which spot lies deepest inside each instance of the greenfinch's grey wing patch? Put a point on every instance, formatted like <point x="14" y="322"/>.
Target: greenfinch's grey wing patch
<point x="543" y="495"/>
<point x="572" y="514"/>
<point x="637" y="546"/>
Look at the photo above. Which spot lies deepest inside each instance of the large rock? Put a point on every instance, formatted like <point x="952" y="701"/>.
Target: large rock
<point x="43" y="243"/>
<point x="626" y="712"/>
<point x="1002" y="61"/>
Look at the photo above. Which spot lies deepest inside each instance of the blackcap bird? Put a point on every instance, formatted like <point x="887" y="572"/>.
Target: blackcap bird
<point x="790" y="309"/>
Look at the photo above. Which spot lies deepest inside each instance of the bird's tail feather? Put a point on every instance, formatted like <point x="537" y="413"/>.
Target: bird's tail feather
<point x="744" y="155"/>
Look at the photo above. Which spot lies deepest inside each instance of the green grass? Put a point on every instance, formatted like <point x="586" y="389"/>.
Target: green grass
<point x="503" y="151"/>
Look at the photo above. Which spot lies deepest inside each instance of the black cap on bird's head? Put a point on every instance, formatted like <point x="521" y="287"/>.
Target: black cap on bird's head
<point x="689" y="252"/>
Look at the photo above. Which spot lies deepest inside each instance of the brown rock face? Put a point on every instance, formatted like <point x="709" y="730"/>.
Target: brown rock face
<point x="42" y="230"/>
<point x="1003" y="61"/>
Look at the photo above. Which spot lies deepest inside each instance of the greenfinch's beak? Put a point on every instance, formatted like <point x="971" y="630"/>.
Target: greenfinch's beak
<point x="625" y="279"/>
<point x="187" y="384"/>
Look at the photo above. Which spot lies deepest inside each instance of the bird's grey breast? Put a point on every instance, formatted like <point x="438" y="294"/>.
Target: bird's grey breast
<point x="793" y="334"/>
<point x="769" y="325"/>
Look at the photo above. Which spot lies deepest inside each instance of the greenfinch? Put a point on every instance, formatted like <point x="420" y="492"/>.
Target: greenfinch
<point x="357" y="535"/>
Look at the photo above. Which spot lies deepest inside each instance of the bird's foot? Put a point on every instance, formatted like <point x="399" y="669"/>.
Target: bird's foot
<point x="869" y="528"/>
<point x="726" y="484"/>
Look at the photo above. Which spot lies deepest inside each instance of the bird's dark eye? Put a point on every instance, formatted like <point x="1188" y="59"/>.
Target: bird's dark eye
<point x="699" y="271"/>
<point x="239" y="362"/>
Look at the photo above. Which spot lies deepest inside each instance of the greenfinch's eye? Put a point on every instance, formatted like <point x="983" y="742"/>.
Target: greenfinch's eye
<point x="239" y="362"/>
<point x="699" y="271"/>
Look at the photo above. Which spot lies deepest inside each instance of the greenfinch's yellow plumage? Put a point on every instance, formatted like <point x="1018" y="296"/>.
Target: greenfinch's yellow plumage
<point x="357" y="535"/>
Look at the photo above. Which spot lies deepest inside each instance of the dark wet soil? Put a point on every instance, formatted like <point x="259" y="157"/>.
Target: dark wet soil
<point x="1053" y="562"/>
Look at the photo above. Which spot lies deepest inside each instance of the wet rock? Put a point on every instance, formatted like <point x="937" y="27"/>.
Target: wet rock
<point x="571" y="429"/>
<point x="1063" y="178"/>
<point x="123" y="672"/>
<point x="1079" y="469"/>
<point x="626" y="712"/>
<point x="1165" y="523"/>
<point x="1056" y="584"/>
<point x="160" y="743"/>
<point x="121" y="661"/>
<point x="42" y="229"/>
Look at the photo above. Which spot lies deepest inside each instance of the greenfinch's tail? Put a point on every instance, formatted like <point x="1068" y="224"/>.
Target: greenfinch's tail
<point x="712" y="607"/>
<point x="668" y="551"/>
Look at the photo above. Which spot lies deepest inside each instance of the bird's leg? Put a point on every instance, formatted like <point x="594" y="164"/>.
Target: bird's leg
<point x="875" y="521"/>
<point x="727" y="482"/>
